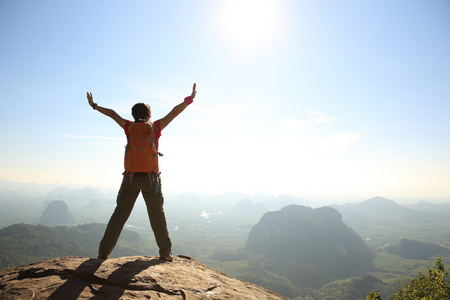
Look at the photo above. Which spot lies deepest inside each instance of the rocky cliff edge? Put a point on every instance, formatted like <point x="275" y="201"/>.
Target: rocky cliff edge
<point x="134" y="277"/>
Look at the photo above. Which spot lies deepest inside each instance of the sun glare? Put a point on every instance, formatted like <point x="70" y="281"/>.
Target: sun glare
<point x="249" y="23"/>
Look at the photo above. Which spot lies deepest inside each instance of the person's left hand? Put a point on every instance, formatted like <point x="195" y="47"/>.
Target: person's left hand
<point x="193" y="91"/>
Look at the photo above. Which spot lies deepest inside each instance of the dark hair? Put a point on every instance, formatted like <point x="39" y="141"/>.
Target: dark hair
<point x="140" y="111"/>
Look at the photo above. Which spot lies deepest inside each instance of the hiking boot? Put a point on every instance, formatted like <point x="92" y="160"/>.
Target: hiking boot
<point x="166" y="257"/>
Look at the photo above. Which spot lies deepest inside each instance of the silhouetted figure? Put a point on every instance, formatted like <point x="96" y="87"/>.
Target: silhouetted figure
<point x="141" y="174"/>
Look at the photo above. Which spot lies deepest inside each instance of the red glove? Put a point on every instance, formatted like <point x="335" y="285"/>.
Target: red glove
<point x="188" y="100"/>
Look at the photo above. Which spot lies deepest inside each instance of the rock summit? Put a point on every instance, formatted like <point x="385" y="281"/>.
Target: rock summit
<point x="133" y="277"/>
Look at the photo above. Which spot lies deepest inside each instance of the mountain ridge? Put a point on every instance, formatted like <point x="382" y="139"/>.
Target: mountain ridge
<point x="375" y="215"/>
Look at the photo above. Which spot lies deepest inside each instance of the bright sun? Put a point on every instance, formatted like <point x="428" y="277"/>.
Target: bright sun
<point x="249" y="23"/>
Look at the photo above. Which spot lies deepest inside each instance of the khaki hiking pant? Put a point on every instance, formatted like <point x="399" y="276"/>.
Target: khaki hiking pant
<point x="150" y="185"/>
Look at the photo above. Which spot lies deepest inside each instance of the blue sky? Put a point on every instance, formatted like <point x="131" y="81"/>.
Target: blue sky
<point x="318" y="99"/>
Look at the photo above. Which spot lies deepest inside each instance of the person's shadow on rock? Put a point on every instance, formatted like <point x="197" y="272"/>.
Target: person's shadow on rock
<point x="110" y="288"/>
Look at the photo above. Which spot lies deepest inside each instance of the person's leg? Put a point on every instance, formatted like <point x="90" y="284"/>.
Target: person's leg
<point x="154" y="200"/>
<point x="125" y="201"/>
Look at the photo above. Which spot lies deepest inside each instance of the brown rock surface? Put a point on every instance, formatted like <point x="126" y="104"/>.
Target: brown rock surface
<point x="134" y="277"/>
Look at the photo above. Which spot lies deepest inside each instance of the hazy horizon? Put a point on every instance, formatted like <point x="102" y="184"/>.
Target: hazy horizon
<point x="27" y="189"/>
<point x="320" y="100"/>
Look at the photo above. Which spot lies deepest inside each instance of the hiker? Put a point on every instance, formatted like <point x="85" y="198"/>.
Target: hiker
<point x="141" y="174"/>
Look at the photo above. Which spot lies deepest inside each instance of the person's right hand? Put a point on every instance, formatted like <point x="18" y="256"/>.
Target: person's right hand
<point x="90" y="99"/>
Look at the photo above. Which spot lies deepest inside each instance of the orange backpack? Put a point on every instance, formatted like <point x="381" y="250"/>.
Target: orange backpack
<point x="141" y="154"/>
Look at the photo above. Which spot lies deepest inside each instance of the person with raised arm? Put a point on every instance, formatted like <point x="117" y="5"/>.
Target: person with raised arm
<point x="141" y="174"/>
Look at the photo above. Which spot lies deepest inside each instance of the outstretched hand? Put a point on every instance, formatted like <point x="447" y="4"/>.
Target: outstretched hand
<point x="193" y="91"/>
<point x="90" y="99"/>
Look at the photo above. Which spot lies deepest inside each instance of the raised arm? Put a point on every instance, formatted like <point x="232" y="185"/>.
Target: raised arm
<point x="106" y="111"/>
<point x="178" y="109"/>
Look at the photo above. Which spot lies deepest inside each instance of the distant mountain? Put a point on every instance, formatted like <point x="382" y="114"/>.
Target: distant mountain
<point x="384" y="208"/>
<point x="247" y="208"/>
<point x="75" y="196"/>
<point x="313" y="239"/>
<point x="57" y="213"/>
<point x="412" y="249"/>
<point x="12" y="188"/>
<point x="432" y="207"/>
<point x="23" y="244"/>
<point x="93" y="204"/>
<point x="384" y="221"/>
<point x="376" y="206"/>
